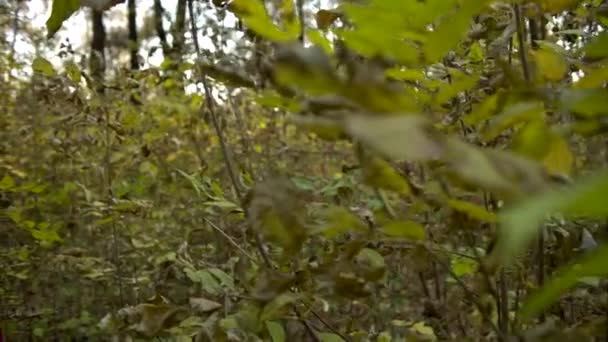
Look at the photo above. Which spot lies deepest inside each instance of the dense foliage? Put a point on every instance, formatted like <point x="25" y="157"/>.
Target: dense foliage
<point x="363" y="170"/>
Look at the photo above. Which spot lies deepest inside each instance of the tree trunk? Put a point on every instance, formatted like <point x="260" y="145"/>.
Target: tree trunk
<point x="177" y="31"/>
<point x="133" y="44"/>
<point x="160" y="30"/>
<point x="97" y="59"/>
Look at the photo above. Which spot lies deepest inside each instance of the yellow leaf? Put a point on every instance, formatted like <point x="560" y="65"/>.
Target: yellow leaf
<point x="559" y="159"/>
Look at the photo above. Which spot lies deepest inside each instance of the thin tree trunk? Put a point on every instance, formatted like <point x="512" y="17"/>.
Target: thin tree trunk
<point x="97" y="62"/>
<point x="177" y="31"/>
<point x="160" y="30"/>
<point x="133" y="43"/>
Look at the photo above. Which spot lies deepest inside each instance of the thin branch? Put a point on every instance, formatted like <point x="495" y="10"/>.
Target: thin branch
<point x="307" y="325"/>
<point x="328" y="326"/>
<point x="210" y="104"/>
<point x="230" y="239"/>
<point x="193" y="30"/>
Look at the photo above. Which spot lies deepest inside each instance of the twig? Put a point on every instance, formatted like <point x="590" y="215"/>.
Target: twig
<point x="328" y="326"/>
<point x="307" y="325"/>
<point x="230" y="239"/>
<point x="210" y="104"/>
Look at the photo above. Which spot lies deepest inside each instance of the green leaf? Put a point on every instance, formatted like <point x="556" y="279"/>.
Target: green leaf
<point x="43" y="66"/>
<point x="208" y="282"/>
<point x="594" y="264"/>
<point x="303" y="183"/>
<point x="46" y="235"/>
<point x="225" y="204"/>
<point x="403" y="137"/>
<point x="255" y="18"/>
<point x="494" y="170"/>
<point x="7" y="183"/>
<point x="405" y="74"/>
<point x="380" y="174"/>
<point x="462" y="266"/>
<point x="594" y="78"/>
<point x="365" y="41"/>
<point x="559" y="160"/>
<point x="404" y="229"/>
<point x="154" y="318"/>
<point x="275" y="309"/>
<point x="512" y="115"/>
<point x="225" y="279"/>
<point x="204" y="305"/>
<point x="61" y="11"/>
<point x="598" y="47"/>
<point x="451" y="30"/>
<point x="460" y="83"/>
<point x="482" y="111"/>
<point x="551" y="64"/>
<point x="585" y="103"/>
<point x="276" y="331"/>
<point x="38" y="332"/>
<point x="324" y="128"/>
<point x="73" y="72"/>
<point x="472" y="210"/>
<point x="370" y="264"/>
<point x="317" y="38"/>
<point x="423" y="329"/>
<point x="476" y="53"/>
<point x="533" y="139"/>
<point x="339" y="221"/>
<point x="519" y="224"/>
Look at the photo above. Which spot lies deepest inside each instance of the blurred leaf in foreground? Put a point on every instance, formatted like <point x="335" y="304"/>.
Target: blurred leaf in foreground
<point x="520" y="224"/>
<point x="594" y="264"/>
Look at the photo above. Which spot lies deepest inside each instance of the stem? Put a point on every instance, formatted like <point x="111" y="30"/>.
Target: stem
<point x="230" y="239"/>
<point x="210" y="104"/>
